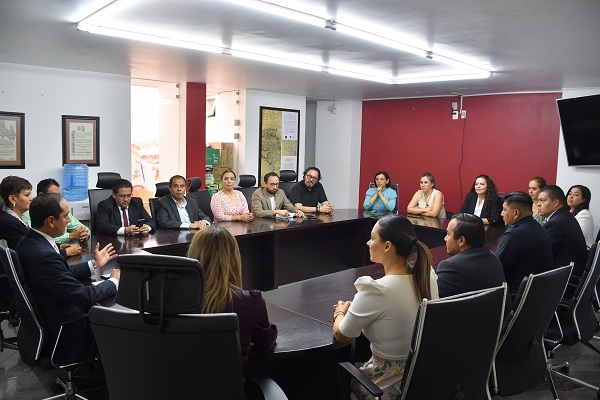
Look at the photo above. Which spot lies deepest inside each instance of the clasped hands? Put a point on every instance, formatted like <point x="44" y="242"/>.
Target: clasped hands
<point x="80" y="234"/>
<point x="133" y="230"/>
<point x="198" y="225"/>
<point x="341" y="307"/>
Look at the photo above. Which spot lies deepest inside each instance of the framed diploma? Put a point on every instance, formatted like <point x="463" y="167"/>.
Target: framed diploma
<point x="12" y="140"/>
<point x="81" y="139"/>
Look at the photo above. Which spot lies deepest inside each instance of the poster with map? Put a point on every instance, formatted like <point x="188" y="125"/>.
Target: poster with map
<point x="279" y="140"/>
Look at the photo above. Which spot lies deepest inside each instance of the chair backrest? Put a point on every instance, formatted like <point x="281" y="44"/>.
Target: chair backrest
<point x="287" y="180"/>
<point x="107" y="179"/>
<point x="453" y="346"/>
<point x="139" y="364"/>
<point x="194" y="184"/>
<point x="95" y="196"/>
<point x="202" y="197"/>
<point x="246" y="185"/>
<point x="162" y="189"/>
<point x="1" y="203"/>
<point x="582" y="302"/>
<point x="30" y="337"/>
<point x="393" y="186"/>
<point x="520" y="361"/>
<point x="153" y="208"/>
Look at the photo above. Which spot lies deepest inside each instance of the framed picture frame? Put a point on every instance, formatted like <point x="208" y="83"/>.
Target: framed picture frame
<point x="12" y="140"/>
<point x="279" y="144"/>
<point x="81" y="140"/>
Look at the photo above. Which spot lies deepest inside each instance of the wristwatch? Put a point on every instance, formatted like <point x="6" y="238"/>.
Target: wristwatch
<point x="318" y="209"/>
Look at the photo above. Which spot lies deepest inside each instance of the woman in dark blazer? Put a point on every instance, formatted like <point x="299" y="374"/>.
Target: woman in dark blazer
<point x="483" y="201"/>
<point x="16" y="194"/>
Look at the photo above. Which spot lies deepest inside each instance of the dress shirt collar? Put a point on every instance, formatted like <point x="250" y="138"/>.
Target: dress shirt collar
<point x="177" y="204"/>
<point x="49" y="238"/>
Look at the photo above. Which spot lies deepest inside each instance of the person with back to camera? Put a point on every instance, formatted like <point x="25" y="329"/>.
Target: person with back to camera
<point x="427" y="201"/>
<point x="16" y="194"/>
<point x="381" y="197"/>
<point x="219" y="255"/>
<point x="228" y="204"/>
<point x="535" y="185"/>
<point x="483" y="201"/>
<point x="307" y="194"/>
<point x="385" y="309"/>
<point x="578" y="199"/>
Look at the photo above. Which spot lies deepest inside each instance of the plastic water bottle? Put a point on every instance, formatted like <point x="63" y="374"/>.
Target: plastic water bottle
<point x="75" y="182"/>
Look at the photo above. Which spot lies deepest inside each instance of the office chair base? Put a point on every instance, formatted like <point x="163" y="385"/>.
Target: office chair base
<point x="69" y="388"/>
<point x="552" y="371"/>
<point x="8" y="343"/>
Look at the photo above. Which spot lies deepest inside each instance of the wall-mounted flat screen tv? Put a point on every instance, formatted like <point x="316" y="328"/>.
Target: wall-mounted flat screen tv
<point x="580" y="121"/>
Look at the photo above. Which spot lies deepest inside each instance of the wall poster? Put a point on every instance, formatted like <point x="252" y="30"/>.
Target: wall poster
<point x="279" y="140"/>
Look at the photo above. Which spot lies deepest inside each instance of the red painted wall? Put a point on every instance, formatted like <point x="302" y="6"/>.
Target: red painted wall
<point x="195" y="134"/>
<point x="511" y="138"/>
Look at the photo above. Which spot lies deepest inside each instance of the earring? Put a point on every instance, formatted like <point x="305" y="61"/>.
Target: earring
<point x="13" y="205"/>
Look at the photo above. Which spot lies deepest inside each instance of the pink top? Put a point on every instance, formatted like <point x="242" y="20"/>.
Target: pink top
<point x="224" y="208"/>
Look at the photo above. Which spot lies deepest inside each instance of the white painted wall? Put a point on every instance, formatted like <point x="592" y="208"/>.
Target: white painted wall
<point x="337" y="152"/>
<point x="251" y="101"/>
<point x="588" y="176"/>
<point x="45" y="94"/>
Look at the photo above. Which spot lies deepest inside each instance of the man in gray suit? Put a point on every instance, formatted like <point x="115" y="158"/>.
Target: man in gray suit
<point x="270" y="201"/>
<point x="177" y="211"/>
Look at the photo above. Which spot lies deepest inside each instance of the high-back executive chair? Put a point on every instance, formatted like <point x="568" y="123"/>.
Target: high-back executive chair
<point x="247" y="185"/>
<point x="446" y="363"/>
<point x="103" y="191"/>
<point x="162" y="189"/>
<point x="34" y="348"/>
<point x="202" y="196"/>
<point x="520" y="359"/>
<point x="7" y="312"/>
<point x="287" y="179"/>
<point x="575" y="320"/>
<point x="160" y="346"/>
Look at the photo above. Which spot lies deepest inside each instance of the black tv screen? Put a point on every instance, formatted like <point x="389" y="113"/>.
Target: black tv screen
<point x="580" y="121"/>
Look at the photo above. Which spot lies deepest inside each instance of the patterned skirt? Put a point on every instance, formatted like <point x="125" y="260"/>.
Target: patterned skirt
<point x="384" y="373"/>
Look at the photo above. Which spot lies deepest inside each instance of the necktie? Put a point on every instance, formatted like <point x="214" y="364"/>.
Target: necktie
<point x="125" y="220"/>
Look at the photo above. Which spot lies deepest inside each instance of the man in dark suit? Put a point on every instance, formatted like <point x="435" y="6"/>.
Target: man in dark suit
<point x="568" y="242"/>
<point x="177" y="211"/>
<point x="120" y="213"/>
<point x="55" y="285"/>
<point x="524" y="247"/>
<point x="472" y="265"/>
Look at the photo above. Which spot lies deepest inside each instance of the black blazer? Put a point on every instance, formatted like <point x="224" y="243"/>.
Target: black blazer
<point x="168" y="216"/>
<point x="56" y="288"/>
<point x="568" y="242"/>
<point x="11" y="229"/>
<point x="108" y="215"/>
<point x="491" y="210"/>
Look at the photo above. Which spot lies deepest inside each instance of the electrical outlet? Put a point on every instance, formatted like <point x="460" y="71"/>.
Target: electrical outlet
<point x="454" y="114"/>
<point x="463" y="114"/>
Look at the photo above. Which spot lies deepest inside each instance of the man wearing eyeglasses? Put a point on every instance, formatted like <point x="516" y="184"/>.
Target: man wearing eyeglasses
<point x="122" y="214"/>
<point x="270" y="201"/>
<point x="309" y="195"/>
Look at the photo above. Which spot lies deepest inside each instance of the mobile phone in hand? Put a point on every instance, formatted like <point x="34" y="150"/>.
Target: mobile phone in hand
<point x="140" y="222"/>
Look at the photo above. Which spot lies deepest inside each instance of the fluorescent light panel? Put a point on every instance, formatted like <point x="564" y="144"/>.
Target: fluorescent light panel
<point x="464" y="70"/>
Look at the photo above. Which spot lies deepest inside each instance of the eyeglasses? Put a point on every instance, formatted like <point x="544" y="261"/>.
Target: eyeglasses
<point x="312" y="177"/>
<point x="124" y="196"/>
<point x="274" y="184"/>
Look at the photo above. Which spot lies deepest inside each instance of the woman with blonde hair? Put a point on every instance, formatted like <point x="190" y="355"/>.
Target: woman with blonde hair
<point x="229" y="204"/>
<point x="219" y="255"/>
<point x="385" y="309"/>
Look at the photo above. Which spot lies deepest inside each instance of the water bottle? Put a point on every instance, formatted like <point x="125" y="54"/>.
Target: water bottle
<point x="75" y="182"/>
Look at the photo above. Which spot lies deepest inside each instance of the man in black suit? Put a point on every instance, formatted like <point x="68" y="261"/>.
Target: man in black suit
<point x="120" y="213"/>
<point x="472" y="265"/>
<point x="177" y="211"/>
<point x="524" y="247"/>
<point x="55" y="285"/>
<point x="568" y="242"/>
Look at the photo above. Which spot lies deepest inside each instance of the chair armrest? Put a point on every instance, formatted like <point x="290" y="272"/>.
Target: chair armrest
<point x="346" y="368"/>
<point x="270" y="389"/>
<point x="75" y="343"/>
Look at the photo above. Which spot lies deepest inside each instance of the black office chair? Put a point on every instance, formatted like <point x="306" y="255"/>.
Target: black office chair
<point x="162" y="189"/>
<point x="287" y="179"/>
<point x="575" y="321"/>
<point x="194" y="184"/>
<point x="7" y="312"/>
<point x="202" y="197"/>
<point x="162" y="323"/>
<point x="247" y="185"/>
<point x="34" y="348"/>
<point x="520" y="359"/>
<point x="452" y="349"/>
<point x="103" y="191"/>
<point x="393" y="186"/>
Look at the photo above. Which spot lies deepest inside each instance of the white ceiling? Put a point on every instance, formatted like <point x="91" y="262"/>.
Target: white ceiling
<point x="530" y="45"/>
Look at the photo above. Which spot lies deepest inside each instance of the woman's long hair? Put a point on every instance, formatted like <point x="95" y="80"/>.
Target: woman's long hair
<point x="219" y="255"/>
<point x="586" y="194"/>
<point x="400" y="232"/>
<point x="491" y="189"/>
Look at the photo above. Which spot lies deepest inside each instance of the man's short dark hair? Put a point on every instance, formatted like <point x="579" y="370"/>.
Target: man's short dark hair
<point x="520" y="200"/>
<point x="121" y="183"/>
<point x="471" y="228"/>
<point x="43" y="207"/>
<point x="175" y="177"/>
<point x="270" y="174"/>
<point x="555" y="193"/>
<point x="44" y="185"/>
